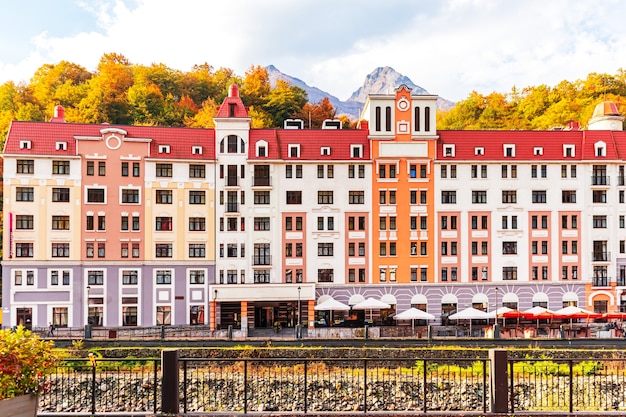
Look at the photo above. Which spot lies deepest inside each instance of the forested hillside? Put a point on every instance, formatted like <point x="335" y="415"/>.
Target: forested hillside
<point x="536" y="108"/>
<point x="119" y="92"/>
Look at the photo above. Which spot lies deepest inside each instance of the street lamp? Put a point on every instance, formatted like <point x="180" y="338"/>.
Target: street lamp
<point x="496" y="289"/>
<point x="87" y="303"/>
<point x="299" y="290"/>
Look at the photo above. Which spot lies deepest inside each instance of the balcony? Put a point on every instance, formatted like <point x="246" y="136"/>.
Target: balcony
<point x="261" y="181"/>
<point x="600" y="180"/>
<point x="600" y="281"/>
<point x="599" y="256"/>
<point x="232" y="181"/>
<point x="621" y="281"/>
<point x="262" y="260"/>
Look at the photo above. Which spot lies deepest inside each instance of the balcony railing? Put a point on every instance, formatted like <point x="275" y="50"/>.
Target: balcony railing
<point x="621" y="281"/>
<point x="232" y="208"/>
<point x="600" y="281"/>
<point x="232" y="181"/>
<point x="600" y="256"/>
<point x="600" y="180"/>
<point x="261" y="181"/>
<point x="262" y="260"/>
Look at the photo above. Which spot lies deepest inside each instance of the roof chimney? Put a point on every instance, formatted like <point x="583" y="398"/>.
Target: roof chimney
<point x="233" y="91"/>
<point x="59" y="114"/>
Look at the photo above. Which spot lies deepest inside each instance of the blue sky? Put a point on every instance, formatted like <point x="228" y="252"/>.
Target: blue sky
<point x="448" y="47"/>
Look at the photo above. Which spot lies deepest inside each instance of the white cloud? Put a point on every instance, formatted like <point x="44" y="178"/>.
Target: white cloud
<point x="449" y="48"/>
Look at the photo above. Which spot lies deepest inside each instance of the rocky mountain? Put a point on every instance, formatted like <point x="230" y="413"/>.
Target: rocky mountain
<point x="383" y="80"/>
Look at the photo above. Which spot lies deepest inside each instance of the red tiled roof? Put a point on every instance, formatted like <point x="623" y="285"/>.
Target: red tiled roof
<point x="44" y="136"/>
<point x="312" y="140"/>
<point x="525" y="142"/>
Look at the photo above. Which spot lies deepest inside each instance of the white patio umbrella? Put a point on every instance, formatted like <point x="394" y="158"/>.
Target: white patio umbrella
<point x="371" y="304"/>
<point x="331" y="305"/>
<point x="413" y="314"/>
<point x="470" y="314"/>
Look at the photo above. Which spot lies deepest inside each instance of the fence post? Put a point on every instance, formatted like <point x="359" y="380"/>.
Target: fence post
<point x="498" y="360"/>
<point x="169" y="382"/>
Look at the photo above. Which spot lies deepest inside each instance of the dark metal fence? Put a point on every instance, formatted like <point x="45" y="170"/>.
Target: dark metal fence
<point x="566" y="385"/>
<point x="323" y="385"/>
<point x="78" y="387"/>
<point x="347" y="386"/>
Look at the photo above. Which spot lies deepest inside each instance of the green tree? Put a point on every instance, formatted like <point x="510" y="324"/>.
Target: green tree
<point x="285" y="102"/>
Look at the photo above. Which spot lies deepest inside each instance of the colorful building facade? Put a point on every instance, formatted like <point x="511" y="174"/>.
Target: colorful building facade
<point x="233" y="226"/>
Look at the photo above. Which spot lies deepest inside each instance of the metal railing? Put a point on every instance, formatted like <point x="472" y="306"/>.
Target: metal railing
<point x="325" y="385"/>
<point x="136" y="387"/>
<point x="108" y="386"/>
<point x="566" y="385"/>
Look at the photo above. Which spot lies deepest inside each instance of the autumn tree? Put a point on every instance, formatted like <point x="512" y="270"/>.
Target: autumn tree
<point x="285" y="102"/>
<point x="316" y="113"/>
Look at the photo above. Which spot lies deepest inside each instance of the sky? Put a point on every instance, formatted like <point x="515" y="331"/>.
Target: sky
<point x="448" y="47"/>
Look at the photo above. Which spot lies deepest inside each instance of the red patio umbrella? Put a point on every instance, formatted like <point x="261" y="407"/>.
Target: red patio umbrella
<point x="614" y="315"/>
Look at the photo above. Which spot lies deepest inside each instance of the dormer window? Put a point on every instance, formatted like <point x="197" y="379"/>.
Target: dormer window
<point x="325" y="150"/>
<point x="448" y="151"/>
<point x="261" y="148"/>
<point x="24" y="144"/>
<point x="61" y="146"/>
<point x="196" y="150"/>
<point x="294" y="151"/>
<point x="479" y="150"/>
<point x="569" y="151"/>
<point x="356" y="151"/>
<point x="600" y="148"/>
<point x="537" y="151"/>
<point x="509" y="151"/>
<point x="164" y="148"/>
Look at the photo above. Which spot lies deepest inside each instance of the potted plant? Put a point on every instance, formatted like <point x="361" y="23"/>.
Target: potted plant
<point x="25" y="360"/>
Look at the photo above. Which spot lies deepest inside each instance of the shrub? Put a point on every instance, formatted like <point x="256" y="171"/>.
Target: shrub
<point x="25" y="360"/>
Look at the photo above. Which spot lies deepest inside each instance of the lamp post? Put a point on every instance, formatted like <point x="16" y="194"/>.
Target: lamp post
<point x="496" y="329"/>
<point x="87" y="324"/>
<point x="298" y="315"/>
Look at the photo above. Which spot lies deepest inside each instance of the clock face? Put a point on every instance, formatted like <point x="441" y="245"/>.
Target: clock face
<point x="113" y="142"/>
<point x="403" y="104"/>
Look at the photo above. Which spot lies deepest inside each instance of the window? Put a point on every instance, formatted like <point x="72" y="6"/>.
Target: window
<point x="568" y="196"/>
<point x="197" y="197"/>
<point x="24" y="250"/>
<point x="24" y="222"/>
<point x="60" y="250"/>
<point x="61" y="167"/>
<point x="163" y="223"/>
<point x="448" y="197"/>
<point x="509" y="273"/>
<point x="325" y="249"/>
<point x="95" y="277"/>
<point x="261" y="197"/>
<point x="599" y="222"/>
<point x="197" y="171"/>
<point x="599" y="196"/>
<point x="96" y="195"/>
<point x="324" y="197"/>
<point x="164" y="196"/>
<point x="102" y="168"/>
<point x="324" y="275"/>
<point x="60" y="222"/>
<point x="61" y="195"/>
<point x="509" y="196"/>
<point x="163" y="276"/>
<point x="197" y="224"/>
<point x="24" y="194"/>
<point x="356" y="197"/>
<point x="196" y="276"/>
<point x="197" y="250"/>
<point x="25" y="166"/>
<point x="509" y="248"/>
<point x="539" y="196"/>
<point x="163" y="170"/>
<point x="294" y="197"/>
<point x="90" y="168"/>
<point x="125" y="169"/>
<point x="130" y="277"/>
<point x="163" y="250"/>
<point x="261" y="223"/>
<point x="130" y="196"/>
<point x="479" y="197"/>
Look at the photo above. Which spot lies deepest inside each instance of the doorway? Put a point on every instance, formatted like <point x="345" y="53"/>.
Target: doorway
<point x="25" y="317"/>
